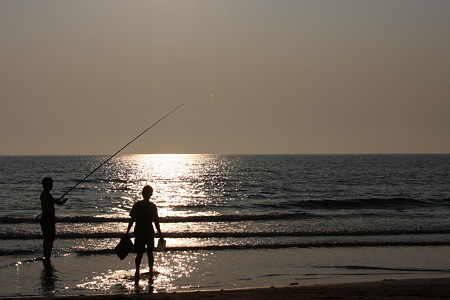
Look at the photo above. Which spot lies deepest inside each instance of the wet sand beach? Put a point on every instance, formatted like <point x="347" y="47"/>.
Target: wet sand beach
<point x="388" y="289"/>
<point x="183" y="272"/>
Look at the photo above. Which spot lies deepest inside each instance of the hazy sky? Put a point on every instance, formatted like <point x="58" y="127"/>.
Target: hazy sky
<point x="256" y="76"/>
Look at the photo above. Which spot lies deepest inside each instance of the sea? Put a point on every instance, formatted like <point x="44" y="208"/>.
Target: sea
<point x="229" y="220"/>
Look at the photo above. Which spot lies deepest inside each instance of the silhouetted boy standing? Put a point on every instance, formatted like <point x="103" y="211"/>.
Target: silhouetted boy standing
<point x="48" y="216"/>
<point x="144" y="213"/>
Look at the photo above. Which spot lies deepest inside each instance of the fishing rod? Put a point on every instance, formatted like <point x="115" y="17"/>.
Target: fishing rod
<point x="117" y="152"/>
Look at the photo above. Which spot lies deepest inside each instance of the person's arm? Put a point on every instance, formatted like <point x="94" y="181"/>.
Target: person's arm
<point x="61" y="201"/>
<point x="130" y="224"/>
<point x="158" y="228"/>
<point x="58" y="201"/>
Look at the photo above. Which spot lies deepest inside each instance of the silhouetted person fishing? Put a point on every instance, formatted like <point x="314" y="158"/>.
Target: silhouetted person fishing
<point x="48" y="216"/>
<point x="144" y="213"/>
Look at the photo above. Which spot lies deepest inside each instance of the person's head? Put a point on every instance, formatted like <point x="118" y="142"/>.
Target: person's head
<point x="47" y="183"/>
<point x="147" y="192"/>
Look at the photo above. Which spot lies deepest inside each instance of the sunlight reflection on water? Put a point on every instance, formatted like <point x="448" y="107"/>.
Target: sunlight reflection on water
<point x="172" y="271"/>
<point x="178" y="180"/>
<point x="182" y="184"/>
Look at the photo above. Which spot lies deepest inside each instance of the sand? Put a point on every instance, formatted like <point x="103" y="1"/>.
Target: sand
<point x="308" y="274"/>
<point x="388" y="289"/>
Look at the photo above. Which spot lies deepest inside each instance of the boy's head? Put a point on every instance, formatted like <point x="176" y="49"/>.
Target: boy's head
<point x="47" y="183"/>
<point x="147" y="192"/>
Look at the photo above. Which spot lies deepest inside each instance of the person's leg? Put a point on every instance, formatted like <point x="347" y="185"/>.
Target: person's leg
<point x="138" y="265"/>
<point x="150" y="248"/>
<point x="49" y="231"/>
<point x="48" y="246"/>
<point x="138" y="261"/>
<point x="47" y="235"/>
<point x="139" y="246"/>
<point x="150" y="264"/>
<point x="45" y="247"/>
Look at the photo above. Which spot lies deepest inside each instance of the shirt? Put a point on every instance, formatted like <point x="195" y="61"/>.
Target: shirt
<point x="47" y="204"/>
<point x="145" y="213"/>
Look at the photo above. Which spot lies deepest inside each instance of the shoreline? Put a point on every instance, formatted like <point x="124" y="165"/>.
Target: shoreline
<point x="191" y="271"/>
<point x="426" y="288"/>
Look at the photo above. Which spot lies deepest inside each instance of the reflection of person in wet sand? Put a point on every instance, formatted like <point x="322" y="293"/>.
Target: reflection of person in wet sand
<point x="48" y="278"/>
<point x="144" y="213"/>
<point x="48" y="216"/>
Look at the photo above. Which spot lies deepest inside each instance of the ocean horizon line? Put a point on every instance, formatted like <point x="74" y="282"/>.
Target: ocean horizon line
<point x="234" y="154"/>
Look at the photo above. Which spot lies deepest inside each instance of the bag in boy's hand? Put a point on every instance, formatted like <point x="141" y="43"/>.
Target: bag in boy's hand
<point x="161" y="245"/>
<point x="124" y="247"/>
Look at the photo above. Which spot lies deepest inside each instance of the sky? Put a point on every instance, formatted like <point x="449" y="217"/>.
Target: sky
<point x="255" y="76"/>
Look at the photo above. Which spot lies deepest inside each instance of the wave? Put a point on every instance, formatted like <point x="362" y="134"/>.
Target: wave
<point x="306" y="209"/>
<point x="228" y="234"/>
<point x="352" y="267"/>
<point x="281" y="246"/>
<point x="186" y="219"/>
<point x="369" y="203"/>
<point x="256" y="246"/>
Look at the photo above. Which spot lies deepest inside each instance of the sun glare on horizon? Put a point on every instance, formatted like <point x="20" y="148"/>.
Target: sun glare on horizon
<point x="175" y="179"/>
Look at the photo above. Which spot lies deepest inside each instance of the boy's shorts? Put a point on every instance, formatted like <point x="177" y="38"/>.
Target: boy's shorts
<point x="141" y="241"/>
<point x="48" y="228"/>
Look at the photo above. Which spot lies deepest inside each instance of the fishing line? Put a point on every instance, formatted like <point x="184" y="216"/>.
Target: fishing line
<point x="118" y="151"/>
